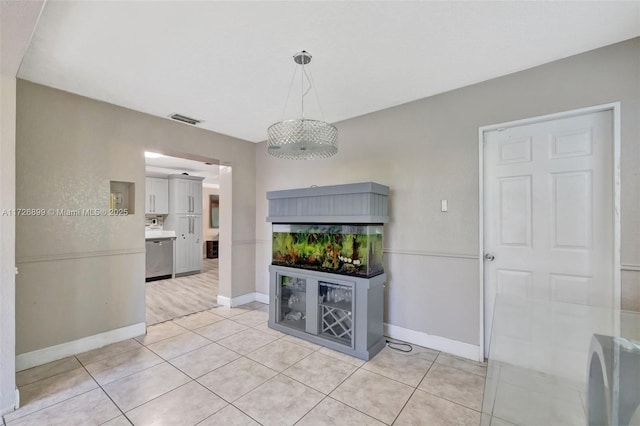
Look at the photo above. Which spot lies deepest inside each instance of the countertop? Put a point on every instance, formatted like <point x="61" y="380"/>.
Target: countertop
<point x="158" y="234"/>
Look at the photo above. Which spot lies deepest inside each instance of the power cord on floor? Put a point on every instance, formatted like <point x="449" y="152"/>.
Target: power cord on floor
<point x="406" y="345"/>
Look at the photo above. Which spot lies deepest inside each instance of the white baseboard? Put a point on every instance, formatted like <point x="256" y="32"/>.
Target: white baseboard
<point x="224" y="301"/>
<point x="454" y="347"/>
<point x="241" y="300"/>
<point x="262" y="298"/>
<point x="54" y="353"/>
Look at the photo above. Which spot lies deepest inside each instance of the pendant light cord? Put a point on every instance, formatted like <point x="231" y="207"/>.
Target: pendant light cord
<point x="313" y="85"/>
<point x="293" y="78"/>
<point x="304" y="76"/>
<point x="304" y="92"/>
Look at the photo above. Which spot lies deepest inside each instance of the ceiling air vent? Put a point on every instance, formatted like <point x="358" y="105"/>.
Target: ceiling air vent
<point x="184" y="119"/>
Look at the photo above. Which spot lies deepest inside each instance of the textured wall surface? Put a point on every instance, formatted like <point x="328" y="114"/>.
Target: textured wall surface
<point x="427" y="150"/>
<point x="88" y="272"/>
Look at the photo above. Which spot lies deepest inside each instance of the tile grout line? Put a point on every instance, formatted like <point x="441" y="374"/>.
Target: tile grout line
<point x="453" y="402"/>
<point x="413" y="392"/>
<point x="106" y="393"/>
<point x="59" y="402"/>
<point x="339" y="384"/>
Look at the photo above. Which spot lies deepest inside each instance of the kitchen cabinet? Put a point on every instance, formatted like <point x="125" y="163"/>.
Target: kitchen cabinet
<point x="156" y="196"/>
<point x="188" y="243"/>
<point x="185" y="194"/>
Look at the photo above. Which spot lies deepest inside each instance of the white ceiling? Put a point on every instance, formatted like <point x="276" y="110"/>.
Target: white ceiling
<point x="173" y="165"/>
<point x="229" y="63"/>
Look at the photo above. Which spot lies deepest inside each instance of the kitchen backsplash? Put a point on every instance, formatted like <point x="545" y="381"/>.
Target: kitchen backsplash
<point x="152" y="221"/>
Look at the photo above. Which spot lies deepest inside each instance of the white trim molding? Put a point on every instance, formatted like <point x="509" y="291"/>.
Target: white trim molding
<point x="431" y="254"/>
<point x="630" y="267"/>
<point x="81" y="255"/>
<point x="56" y="352"/>
<point x="224" y="301"/>
<point x="242" y="300"/>
<point x="454" y="347"/>
<point x="262" y="298"/>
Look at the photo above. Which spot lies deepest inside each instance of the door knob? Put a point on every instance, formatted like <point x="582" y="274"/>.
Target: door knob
<point x="489" y="257"/>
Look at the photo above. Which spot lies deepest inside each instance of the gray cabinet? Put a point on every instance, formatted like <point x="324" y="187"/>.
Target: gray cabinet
<point x="188" y="243"/>
<point x="185" y="194"/>
<point x="156" y="195"/>
<point x="185" y="218"/>
<point x="340" y="312"/>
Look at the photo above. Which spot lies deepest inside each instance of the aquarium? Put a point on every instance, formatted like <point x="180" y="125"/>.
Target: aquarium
<point x="339" y="249"/>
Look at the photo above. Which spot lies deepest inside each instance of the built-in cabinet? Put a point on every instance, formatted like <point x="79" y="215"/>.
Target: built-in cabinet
<point x="185" y="218"/>
<point x="340" y="312"/>
<point x="185" y="194"/>
<point x="188" y="244"/>
<point x="156" y="195"/>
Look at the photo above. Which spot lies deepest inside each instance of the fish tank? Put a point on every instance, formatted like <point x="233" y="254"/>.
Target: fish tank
<point x="335" y="248"/>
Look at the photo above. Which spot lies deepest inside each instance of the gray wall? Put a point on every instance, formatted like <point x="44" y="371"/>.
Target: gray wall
<point x="80" y="276"/>
<point x="427" y="150"/>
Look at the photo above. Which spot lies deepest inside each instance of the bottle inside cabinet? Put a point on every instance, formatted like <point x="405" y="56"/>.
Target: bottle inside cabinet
<point x="293" y="297"/>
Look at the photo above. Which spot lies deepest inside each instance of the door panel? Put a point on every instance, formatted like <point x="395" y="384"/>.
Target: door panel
<point x="549" y="212"/>
<point x="571" y="203"/>
<point x="515" y="211"/>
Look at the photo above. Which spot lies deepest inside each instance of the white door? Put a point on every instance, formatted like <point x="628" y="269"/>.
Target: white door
<point x="549" y="212"/>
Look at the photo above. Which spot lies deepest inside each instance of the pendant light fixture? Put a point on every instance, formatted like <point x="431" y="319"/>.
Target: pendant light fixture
<point x="302" y="139"/>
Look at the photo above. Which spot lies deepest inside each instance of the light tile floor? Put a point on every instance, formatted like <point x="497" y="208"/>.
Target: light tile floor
<point x="226" y="367"/>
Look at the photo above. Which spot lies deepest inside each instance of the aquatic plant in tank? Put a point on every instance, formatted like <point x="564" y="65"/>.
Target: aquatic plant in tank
<point x="340" y="249"/>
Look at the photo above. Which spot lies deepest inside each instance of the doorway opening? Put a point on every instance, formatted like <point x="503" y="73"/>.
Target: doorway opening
<point x="182" y="260"/>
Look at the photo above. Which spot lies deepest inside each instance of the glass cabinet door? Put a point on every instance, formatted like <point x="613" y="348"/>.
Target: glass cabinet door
<point x="335" y="309"/>
<point x="292" y="302"/>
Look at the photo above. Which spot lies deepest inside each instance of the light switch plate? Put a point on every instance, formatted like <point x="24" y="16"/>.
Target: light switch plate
<point x="444" y="205"/>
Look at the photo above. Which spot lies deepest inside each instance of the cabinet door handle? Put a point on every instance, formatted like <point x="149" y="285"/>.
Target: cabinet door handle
<point x="150" y="204"/>
<point x="154" y="203"/>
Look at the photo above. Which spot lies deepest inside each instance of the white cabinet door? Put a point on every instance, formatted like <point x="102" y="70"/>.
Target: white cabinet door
<point x="183" y="244"/>
<point x="185" y="196"/>
<point x="196" y="246"/>
<point x="196" y="196"/>
<point x="179" y="197"/>
<point x="156" y="199"/>
<point x="160" y="195"/>
<point x="148" y="195"/>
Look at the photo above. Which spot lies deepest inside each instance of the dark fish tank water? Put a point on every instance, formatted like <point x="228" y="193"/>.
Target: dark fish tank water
<point x="339" y="249"/>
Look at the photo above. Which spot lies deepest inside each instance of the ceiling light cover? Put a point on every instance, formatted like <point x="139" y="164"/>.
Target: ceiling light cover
<point x="302" y="139"/>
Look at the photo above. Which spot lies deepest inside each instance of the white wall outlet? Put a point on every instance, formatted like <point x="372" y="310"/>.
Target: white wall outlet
<point x="444" y="205"/>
